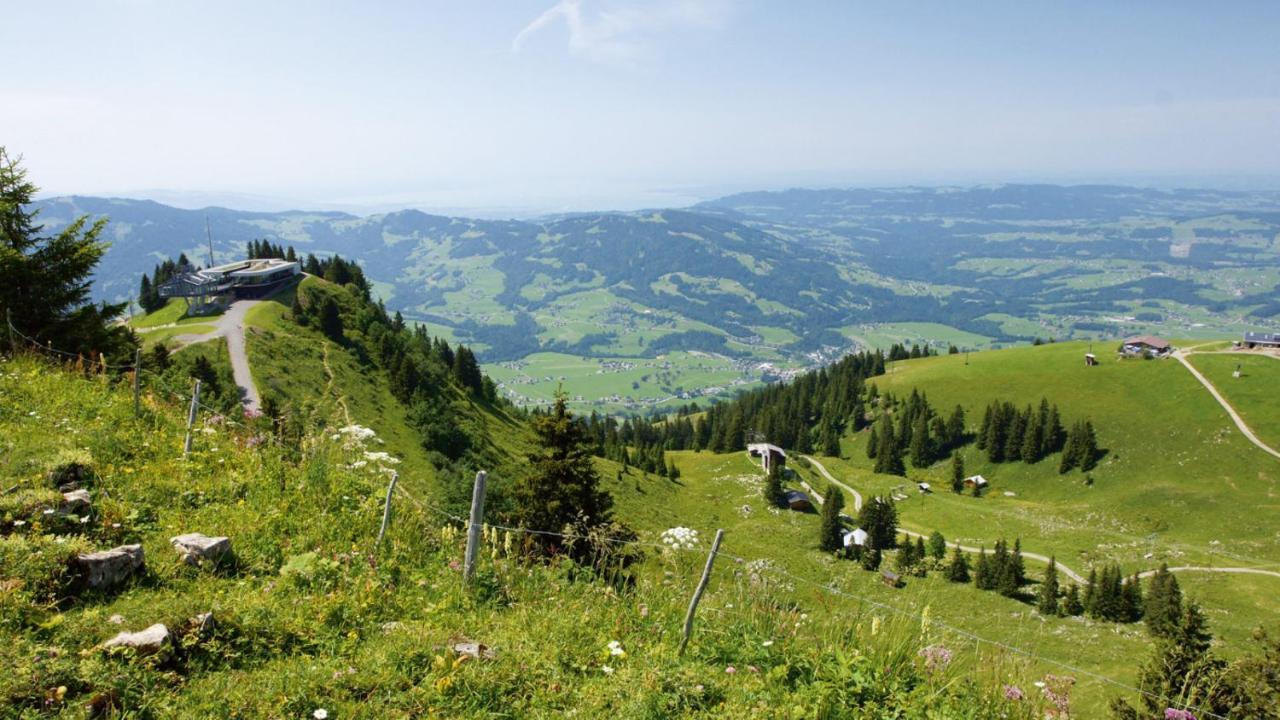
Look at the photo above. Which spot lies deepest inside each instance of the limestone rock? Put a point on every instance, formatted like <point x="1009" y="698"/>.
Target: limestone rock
<point x="474" y="650"/>
<point x="108" y="568"/>
<point x="196" y="548"/>
<point x="146" y="642"/>
<point x="75" y="501"/>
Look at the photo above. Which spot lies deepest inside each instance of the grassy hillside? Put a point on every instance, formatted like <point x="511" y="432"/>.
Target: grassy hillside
<point x="1255" y="394"/>
<point x="308" y="615"/>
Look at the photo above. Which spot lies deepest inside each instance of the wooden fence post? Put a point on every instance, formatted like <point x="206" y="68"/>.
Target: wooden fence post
<point x="191" y="419"/>
<point x="137" y="382"/>
<point x="8" y="320"/>
<point x="386" y="511"/>
<point x="473" y="529"/>
<point x="697" y="594"/>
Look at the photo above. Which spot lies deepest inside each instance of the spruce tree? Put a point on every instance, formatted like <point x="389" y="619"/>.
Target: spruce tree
<point x="1087" y="454"/>
<point x="879" y="518"/>
<point x="1032" y="439"/>
<point x="958" y="569"/>
<point x="562" y="487"/>
<point x="1048" y="594"/>
<point x="937" y="546"/>
<point x="955" y="428"/>
<point x="957" y="473"/>
<point x="830" y="536"/>
<point x="1071" y="450"/>
<point x="921" y="443"/>
<point x="1181" y="669"/>
<point x="1163" y="604"/>
<point x="45" y="280"/>
<point x="873" y="443"/>
<point x="1090" y="592"/>
<point x="871" y="558"/>
<point x="1131" y="602"/>
<point x="773" y="493"/>
<point x="982" y="572"/>
<point x="1071" y="604"/>
<point x="920" y="554"/>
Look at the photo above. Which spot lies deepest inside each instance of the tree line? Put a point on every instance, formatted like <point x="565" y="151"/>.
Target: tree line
<point x="912" y="428"/>
<point x="1030" y="435"/>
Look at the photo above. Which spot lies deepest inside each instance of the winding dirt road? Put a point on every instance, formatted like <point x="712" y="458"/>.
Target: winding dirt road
<point x="230" y="325"/>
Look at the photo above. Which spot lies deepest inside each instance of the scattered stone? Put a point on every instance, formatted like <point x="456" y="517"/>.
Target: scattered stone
<point x="391" y="626"/>
<point x="108" y="568"/>
<point x="147" y="642"/>
<point x="474" y="650"/>
<point x="75" y="501"/>
<point x="116" y="619"/>
<point x="196" y="548"/>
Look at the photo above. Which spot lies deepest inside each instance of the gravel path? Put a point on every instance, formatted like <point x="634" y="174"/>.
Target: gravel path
<point x="1181" y="356"/>
<point x="230" y="325"/>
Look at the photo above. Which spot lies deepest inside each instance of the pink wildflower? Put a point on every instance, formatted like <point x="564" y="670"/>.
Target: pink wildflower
<point x="731" y="670"/>
<point x="1013" y="692"/>
<point x="1176" y="714"/>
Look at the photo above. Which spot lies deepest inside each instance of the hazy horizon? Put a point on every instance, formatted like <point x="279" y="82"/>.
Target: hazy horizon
<point x="537" y="106"/>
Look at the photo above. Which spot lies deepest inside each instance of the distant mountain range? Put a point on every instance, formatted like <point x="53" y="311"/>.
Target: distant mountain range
<point x="776" y="276"/>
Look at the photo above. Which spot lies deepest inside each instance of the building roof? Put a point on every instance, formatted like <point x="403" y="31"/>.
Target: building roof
<point x="793" y="496"/>
<point x="766" y="448"/>
<point x="1149" y="341"/>
<point x="976" y="480"/>
<point x="1261" y="337"/>
<point x="857" y="536"/>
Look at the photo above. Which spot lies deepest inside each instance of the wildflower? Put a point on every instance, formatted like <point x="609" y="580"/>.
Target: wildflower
<point x="936" y="657"/>
<point x="19" y="523"/>
<point x="84" y="520"/>
<point x="453" y="565"/>
<point x="606" y="669"/>
<point x="615" y="649"/>
<point x="1013" y="692"/>
<point x="680" y="538"/>
<point x="320" y="714"/>
<point x="1176" y="714"/>
<point x="875" y="625"/>
<point x="731" y="670"/>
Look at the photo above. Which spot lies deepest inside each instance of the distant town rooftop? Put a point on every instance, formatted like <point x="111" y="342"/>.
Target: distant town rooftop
<point x="1150" y="341"/>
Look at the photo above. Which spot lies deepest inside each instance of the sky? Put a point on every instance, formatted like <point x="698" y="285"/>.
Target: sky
<point x="527" y="106"/>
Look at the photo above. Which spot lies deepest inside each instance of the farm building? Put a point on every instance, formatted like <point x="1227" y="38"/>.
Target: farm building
<point x="924" y="487"/>
<point x="218" y="286"/>
<point x="1261" y="340"/>
<point x="975" y="481"/>
<point x="768" y="454"/>
<point x="797" y="500"/>
<point x="891" y="579"/>
<point x="1090" y="359"/>
<point x="1140" y="344"/>
<point x="856" y="537"/>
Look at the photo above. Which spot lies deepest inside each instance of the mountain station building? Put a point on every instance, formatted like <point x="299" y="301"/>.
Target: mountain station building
<point x="1262" y="340"/>
<point x="216" y="287"/>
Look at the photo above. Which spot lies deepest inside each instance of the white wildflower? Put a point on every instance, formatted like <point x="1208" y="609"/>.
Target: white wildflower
<point x="680" y="538"/>
<point x="607" y="670"/>
<point x="320" y="714"/>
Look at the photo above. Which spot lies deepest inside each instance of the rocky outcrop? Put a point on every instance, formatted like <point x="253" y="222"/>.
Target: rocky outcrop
<point x="108" y="568"/>
<point x="75" y="501"/>
<point x="197" y="549"/>
<point x="146" y="642"/>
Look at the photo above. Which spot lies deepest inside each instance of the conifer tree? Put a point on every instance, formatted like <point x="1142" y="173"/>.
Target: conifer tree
<point x="773" y="486"/>
<point x="1131" y="603"/>
<point x="920" y="554"/>
<point x="830" y="535"/>
<point x="1032" y="439"/>
<point x="1048" y="594"/>
<point x="871" y="558"/>
<point x="955" y="428"/>
<point x="563" y="486"/>
<point x="937" y="546"/>
<point x="1180" y="671"/>
<point x="888" y="452"/>
<point x="957" y="473"/>
<point x="879" y="518"/>
<point x="958" y="569"/>
<point x="1090" y="599"/>
<point x="982" y="572"/>
<point x="921" y="443"/>
<point x="873" y="443"/>
<point x="45" y="280"/>
<point x="1087" y="454"/>
<point x="1071" y="604"/>
<point x="1163" y="604"/>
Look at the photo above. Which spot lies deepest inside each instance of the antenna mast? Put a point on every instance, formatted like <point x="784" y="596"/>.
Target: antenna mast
<point x="209" y="234"/>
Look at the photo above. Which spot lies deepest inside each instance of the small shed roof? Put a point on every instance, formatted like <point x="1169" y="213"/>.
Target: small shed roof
<point x="763" y="448"/>
<point x="1148" y="340"/>
<point x="794" y="496"/>
<point x="857" y="536"/>
<point x="976" y="480"/>
<point x="925" y="487"/>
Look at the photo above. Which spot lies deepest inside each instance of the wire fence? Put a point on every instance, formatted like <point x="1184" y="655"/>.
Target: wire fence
<point x="769" y="566"/>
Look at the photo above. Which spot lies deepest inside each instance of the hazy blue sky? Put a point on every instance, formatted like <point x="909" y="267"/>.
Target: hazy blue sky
<point x="534" y="104"/>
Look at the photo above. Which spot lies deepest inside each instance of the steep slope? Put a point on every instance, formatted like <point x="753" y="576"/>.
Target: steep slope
<point x="309" y="618"/>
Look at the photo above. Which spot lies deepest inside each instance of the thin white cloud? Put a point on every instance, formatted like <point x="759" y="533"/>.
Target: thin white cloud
<point x="609" y="31"/>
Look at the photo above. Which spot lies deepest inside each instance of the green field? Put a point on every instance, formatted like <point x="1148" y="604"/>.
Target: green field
<point x="614" y="384"/>
<point x="882" y="336"/>
<point x="1255" y="394"/>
